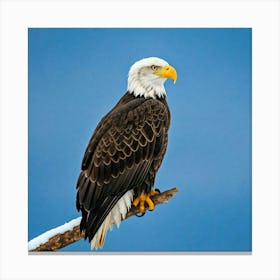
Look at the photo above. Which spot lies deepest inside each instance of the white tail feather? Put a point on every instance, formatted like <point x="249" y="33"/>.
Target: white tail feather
<point x="115" y="216"/>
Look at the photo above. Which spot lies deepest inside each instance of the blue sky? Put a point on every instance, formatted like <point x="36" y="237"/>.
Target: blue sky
<point x="76" y="75"/>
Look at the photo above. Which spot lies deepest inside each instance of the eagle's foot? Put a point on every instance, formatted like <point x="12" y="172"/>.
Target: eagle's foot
<point x="145" y="199"/>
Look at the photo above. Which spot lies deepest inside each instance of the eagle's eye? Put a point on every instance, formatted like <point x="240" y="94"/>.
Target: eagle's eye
<point x="154" y="67"/>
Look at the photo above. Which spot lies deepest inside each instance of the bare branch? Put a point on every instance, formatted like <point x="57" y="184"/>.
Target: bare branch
<point x="64" y="239"/>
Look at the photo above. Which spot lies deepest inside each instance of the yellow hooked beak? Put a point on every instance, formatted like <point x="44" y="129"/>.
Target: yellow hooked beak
<point x="167" y="72"/>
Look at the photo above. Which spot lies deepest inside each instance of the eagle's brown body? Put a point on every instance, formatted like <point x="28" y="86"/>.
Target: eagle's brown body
<point x="124" y="153"/>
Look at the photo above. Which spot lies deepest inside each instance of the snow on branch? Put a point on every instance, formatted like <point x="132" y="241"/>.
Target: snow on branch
<point x="68" y="233"/>
<point x="44" y="238"/>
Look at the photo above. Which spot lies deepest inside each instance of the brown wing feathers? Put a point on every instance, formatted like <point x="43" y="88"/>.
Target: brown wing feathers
<point x="124" y="153"/>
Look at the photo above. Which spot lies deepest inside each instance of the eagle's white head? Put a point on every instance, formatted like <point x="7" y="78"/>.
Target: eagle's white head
<point x="146" y="77"/>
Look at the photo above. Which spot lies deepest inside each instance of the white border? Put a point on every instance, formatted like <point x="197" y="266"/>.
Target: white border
<point x="17" y="16"/>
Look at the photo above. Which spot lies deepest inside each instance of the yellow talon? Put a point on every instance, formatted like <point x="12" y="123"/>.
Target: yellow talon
<point x="153" y="192"/>
<point x="145" y="198"/>
<point x="150" y="203"/>
<point x="142" y="206"/>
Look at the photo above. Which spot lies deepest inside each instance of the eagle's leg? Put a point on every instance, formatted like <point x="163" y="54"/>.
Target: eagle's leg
<point x="145" y="199"/>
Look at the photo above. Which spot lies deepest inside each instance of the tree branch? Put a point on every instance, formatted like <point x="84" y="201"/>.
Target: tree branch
<point x="68" y="237"/>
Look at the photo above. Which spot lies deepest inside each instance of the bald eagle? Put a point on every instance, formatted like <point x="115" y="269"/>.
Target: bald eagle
<point x="125" y="152"/>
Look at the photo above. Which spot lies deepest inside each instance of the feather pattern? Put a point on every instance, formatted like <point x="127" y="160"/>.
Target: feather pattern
<point x="120" y="162"/>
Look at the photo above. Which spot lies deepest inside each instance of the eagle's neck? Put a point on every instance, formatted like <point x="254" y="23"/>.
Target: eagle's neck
<point x="146" y="86"/>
